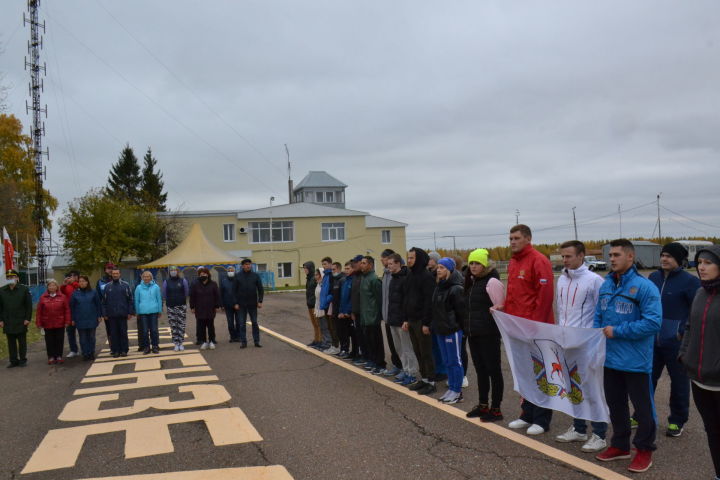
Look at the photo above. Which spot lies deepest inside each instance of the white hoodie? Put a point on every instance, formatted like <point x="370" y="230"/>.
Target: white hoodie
<point x="576" y="297"/>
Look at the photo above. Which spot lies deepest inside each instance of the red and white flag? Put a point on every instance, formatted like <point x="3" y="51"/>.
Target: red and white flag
<point x="8" y="251"/>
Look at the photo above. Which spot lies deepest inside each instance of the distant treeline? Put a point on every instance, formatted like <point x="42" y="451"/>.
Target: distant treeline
<point x="503" y="253"/>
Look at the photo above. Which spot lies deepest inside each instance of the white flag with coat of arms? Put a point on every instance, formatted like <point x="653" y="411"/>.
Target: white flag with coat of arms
<point x="556" y="367"/>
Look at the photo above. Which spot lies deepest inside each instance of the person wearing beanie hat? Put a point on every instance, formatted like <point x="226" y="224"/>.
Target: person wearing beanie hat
<point x="448" y="312"/>
<point x="15" y="316"/>
<point x="677" y="291"/>
<point x="484" y="290"/>
<point x="204" y="304"/>
<point x="700" y="349"/>
<point x="175" y="292"/>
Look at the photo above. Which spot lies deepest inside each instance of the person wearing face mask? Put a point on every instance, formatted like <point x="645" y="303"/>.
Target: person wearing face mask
<point x="15" y="315"/>
<point x="227" y="300"/>
<point x="148" y="306"/>
<point x="204" y="303"/>
<point x="700" y="349"/>
<point x="175" y="291"/>
<point x="53" y="314"/>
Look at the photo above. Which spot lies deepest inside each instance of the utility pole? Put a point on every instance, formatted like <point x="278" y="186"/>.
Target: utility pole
<point x="290" y="182"/>
<point x="575" y="223"/>
<point x="42" y="247"/>
<point x="517" y="216"/>
<point x="658" y="220"/>
<point x="620" y="215"/>
<point x="434" y="242"/>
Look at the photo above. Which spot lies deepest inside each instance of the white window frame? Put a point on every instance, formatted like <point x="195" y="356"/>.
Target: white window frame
<point x="332" y="229"/>
<point x="228" y="227"/>
<point x="339" y="196"/>
<point x="319" y="197"/>
<point x="382" y="237"/>
<point x="329" y="197"/>
<point x="285" y="228"/>
<point x="289" y="270"/>
<point x="261" y="267"/>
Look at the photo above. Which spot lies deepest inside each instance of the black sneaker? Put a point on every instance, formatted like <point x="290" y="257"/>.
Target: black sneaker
<point x="12" y="365"/>
<point x="478" y="411"/>
<point x="243" y="344"/>
<point x="257" y="344"/>
<point x="427" y="389"/>
<point x="674" y="430"/>
<point x="155" y="349"/>
<point x="494" y="415"/>
<point x="146" y="351"/>
<point x="115" y="355"/>
<point x="417" y="386"/>
<point x="123" y="354"/>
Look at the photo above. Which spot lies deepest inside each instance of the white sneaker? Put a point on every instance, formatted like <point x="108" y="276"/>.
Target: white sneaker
<point x="517" y="424"/>
<point x="595" y="444"/>
<point x="465" y="383"/>
<point x="212" y="346"/>
<point x="328" y="350"/>
<point x="535" y="429"/>
<point x="72" y="354"/>
<point x="177" y="348"/>
<point x="181" y="347"/>
<point x="204" y="346"/>
<point x="572" y="436"/>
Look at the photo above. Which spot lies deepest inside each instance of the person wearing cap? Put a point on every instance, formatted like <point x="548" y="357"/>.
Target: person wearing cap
<point x="249" y="293"/>
<point x="53" y="314"/>
<point x="148" y="307"/>
<point x="70" y="284"/>
<point x="204" y="304"/>
<point x="630" y="313"/>
<point x="118" y="307"/>
<point x="576" y="297"/>
<point x="700" y="349"/>
<point x="530" y="296"/>
<point x="227" y="300"/>
<point x="677" y="291"/>
<point x="175" y="292"/>
<point x="15" y="316"/>
<point x="448" y="313"/>
<point x="484" y="290"/>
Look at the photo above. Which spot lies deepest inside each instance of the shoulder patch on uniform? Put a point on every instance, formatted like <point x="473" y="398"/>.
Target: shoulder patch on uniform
<point x="543" y="281"/>
<point x="633" y="290"/>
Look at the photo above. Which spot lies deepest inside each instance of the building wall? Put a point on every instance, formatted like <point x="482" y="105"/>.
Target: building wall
<point x="307" y="244"/>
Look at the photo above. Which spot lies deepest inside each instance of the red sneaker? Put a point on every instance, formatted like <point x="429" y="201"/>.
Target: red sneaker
<point x="51" y="361"/>
<point x="613" y="453"/>
<point x="641" y="462"/>
<point x="59" y="360"/>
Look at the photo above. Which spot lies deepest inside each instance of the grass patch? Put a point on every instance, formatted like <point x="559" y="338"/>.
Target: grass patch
<point x="33" y="335"/>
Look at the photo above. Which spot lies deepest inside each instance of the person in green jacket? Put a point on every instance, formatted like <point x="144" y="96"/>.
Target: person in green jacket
<point x="370" y="316"/>
<point x="15" y="315"/>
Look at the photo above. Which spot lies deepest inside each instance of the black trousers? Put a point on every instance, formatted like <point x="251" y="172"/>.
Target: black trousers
<point x="708" y="404"/>
<point x="342" y="326"/>
<point x="206" y="330"/>
<point x="485" y="353"/>
<point x="54" y="341"/>
<point x="637" y="386"/>
<point x="359" y="339"/>
<point x="532" y="413"/>
<point x="374" y="343"/>
<point x="422" y="346"/>
<point x="394" y="357"/>
<point x="17" y="347"/>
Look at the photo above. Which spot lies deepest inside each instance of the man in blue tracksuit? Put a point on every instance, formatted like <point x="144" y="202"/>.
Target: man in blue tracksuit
<point x="327" y="326"/>
<point x="630" y="314"/>
<point x="677" y="291"/>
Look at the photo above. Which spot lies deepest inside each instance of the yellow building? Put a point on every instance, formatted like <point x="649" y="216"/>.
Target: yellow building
<point x="283" y="237"/>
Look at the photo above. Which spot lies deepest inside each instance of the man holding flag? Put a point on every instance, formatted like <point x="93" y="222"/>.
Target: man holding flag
<point x="630" y="314"/>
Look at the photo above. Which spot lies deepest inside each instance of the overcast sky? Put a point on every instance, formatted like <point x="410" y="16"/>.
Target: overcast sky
<point x="448" y="116"/>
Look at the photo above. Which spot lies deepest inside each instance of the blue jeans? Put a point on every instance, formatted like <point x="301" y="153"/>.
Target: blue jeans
<point x="87" y="341"/>
<point x="233" y="321"/>
<point x="450" y="352"/>
<point x="598" y="428"/>
<point x="72" y="342"/>
<point x="148" y="330"/>
<point x="117" y="326"/>
<point x="242" y="314"/>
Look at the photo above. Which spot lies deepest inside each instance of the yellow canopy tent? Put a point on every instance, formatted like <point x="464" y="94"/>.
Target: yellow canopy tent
<point x="195" y="250"/>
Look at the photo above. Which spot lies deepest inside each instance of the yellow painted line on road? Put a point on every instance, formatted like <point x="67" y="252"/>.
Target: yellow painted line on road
<point x="576" y="462"/>
<point x="271" y="472"/>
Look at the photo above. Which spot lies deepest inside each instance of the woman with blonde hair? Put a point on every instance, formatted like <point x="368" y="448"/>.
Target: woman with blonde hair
<point x="53" y="314"/>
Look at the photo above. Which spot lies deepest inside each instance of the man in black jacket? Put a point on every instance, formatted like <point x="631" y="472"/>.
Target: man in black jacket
<point x="249" y="297"/>
<point x="419" y="288"/>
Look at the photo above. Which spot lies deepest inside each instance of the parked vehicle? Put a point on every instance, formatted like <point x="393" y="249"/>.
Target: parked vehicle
<point x="594" y="264"/>
<point x="692" y="247"/>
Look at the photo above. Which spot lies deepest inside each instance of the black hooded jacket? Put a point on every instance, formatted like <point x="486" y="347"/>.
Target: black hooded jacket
<point x="310" y="284"/>
<point x="396" y="296"/>
<point x="448" y="306"/>
<point x="419" y="288"/>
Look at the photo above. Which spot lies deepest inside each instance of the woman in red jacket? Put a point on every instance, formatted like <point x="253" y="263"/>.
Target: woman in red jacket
<point x="53" y="314"/>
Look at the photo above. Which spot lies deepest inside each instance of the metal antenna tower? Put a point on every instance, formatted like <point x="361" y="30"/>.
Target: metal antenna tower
<point x="42" y="245"/>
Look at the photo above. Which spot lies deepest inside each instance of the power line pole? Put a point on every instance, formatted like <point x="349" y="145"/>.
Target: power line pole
<point x="575" y="223"/>
<point x="517" y="216"/>
<point x="620" y="215"/>
<point x="658" y="220"/>
<point x="290" y="182"/>
<point x="42" y="247"/>
<point x="435" y="241"/>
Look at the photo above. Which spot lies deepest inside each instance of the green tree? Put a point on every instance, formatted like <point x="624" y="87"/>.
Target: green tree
<point x="98" y="227"/>
<point x="17" y="186"/>
<point x="152" y="185"/>
<point x="125" y="180"/>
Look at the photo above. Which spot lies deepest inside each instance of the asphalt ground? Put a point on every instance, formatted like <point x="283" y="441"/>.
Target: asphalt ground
<point x="318" y="417"/>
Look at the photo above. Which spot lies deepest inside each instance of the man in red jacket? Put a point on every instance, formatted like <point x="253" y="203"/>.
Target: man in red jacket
<point x="529" y="295"/>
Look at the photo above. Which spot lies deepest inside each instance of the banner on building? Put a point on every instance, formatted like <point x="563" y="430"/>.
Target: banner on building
<point x="556" y="367"/>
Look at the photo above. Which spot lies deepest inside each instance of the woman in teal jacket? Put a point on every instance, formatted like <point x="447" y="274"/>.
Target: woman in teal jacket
<point x="86" y="312"/>
<point x="148" y="307"/>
